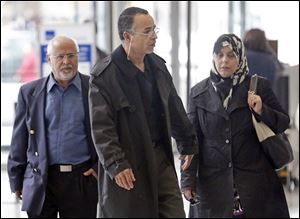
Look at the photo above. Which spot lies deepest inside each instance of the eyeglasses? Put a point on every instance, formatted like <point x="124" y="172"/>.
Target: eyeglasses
<point x="61" y="57"/>
<point x="148" y="33"/>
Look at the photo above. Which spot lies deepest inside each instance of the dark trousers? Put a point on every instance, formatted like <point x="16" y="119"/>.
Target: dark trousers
<point x="70" y="194"/>
<point x="169" y="196"/>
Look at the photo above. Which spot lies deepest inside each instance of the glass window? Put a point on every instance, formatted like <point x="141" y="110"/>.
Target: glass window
<point x="280" y="21"/>
<point x="209" y="21"/>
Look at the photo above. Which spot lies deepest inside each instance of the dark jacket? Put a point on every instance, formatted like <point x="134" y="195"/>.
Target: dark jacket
<point x="230" y="153"/>
<point x="264" y="64"/>
<point x="27" y="161"/>
<point x="122" y="138"/>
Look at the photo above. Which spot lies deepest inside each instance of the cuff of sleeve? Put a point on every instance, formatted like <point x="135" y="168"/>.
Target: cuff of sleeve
<point x="186" y="149"/>
<point x="14" y="186"/>
<point x="117" y="167"/>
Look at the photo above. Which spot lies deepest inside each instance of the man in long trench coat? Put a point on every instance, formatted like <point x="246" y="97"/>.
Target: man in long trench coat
<point x="134" y="112"/>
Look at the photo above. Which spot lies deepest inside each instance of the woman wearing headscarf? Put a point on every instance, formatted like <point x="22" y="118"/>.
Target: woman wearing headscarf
<point x="231" y="176"/>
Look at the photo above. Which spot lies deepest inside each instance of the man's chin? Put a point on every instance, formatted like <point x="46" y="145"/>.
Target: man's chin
<point x="68" y="75"/>
<point x="150" y="51"/>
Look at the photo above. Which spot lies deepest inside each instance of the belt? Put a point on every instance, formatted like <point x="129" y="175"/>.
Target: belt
<point x="68" y="167"/>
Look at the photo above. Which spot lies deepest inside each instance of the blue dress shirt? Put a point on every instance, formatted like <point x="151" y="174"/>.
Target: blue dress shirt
<point x="64" y="113"/>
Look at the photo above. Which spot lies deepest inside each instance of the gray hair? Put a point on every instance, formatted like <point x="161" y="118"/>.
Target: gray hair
<point x="56" y="39"/>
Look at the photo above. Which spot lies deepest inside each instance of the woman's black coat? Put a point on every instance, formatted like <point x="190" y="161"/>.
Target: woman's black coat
<point x="230" y="153"/>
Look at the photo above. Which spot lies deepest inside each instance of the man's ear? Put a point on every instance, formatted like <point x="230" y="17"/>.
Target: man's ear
<point x="127" y="36"/>
<point x="48" y="58"/>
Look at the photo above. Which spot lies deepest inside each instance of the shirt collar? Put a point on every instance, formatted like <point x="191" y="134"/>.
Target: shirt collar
<point x="76" y="82"/>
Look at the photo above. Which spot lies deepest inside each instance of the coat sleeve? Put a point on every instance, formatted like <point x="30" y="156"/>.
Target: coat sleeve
<point x="189" y="176"/>
<point x="181" y="128"/>
<point x="273" y="114"/>
<point x="17" y="158"/>
<point x="104" y="130"/>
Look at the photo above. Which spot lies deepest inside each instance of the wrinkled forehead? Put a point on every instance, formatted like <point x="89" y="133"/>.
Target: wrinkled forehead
<point x="67" y="45"/>
<point x="62" y="45"/>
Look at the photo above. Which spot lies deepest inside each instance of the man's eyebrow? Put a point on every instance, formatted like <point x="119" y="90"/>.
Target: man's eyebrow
<point x="150" y="27"/>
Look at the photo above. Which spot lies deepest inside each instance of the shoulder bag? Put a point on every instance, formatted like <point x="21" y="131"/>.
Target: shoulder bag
<point x="277" y="147"/>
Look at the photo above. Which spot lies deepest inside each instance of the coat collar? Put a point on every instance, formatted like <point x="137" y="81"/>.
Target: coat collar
<point x="240" y="96"/>
<point x="119" y="58"/>
<point x="38" y="94"/>
<point x="76" y="81"/>
<point x="205" y="97"/>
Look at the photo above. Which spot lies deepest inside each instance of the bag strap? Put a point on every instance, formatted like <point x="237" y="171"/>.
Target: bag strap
<point x="262" y="130"/>
<point x="253" y="83"/>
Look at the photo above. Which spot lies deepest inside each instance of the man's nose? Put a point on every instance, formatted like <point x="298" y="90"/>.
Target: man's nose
<point x="66" y="59"/>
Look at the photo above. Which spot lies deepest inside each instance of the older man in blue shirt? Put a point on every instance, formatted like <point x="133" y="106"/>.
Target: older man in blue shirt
<point x="52" y="164"/>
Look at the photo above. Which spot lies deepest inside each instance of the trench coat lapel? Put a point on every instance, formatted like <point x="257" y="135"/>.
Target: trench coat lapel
<point x="159" y="73"/>
<point x="209" y="100"/>
<point x="125" y="66"/>
<point x="239" y="98"/>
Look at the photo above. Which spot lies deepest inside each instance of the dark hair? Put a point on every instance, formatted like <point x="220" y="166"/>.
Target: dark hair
<point x="255" y="39"/>
<point x="126" y="19"/>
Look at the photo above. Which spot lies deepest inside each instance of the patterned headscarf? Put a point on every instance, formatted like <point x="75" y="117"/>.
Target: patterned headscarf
<point x="224" y="86"/>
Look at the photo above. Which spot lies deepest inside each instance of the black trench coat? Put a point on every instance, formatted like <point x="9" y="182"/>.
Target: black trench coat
<point x="230" y="153"/>
<point x="122" y="137"/>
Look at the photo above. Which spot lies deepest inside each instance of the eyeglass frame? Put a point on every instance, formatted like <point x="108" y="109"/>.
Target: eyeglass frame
<point x="155" y="31"/>
<point x="61" y="57"/>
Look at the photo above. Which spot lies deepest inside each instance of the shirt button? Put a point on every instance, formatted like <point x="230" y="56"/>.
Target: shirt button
<point x="35" y="170"/>
<point x="227" y="129"/>
<point x="227" y="141"/>
<point x="229" y="164"/>
<point x="31" y="131"/>
<point x="36" y="154"/>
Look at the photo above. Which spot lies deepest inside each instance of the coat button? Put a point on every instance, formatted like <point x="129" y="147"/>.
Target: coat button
<point x="229" y="164"/>
<point x="227" y="129"/>
<point x="132" y="109"/>
<point x="36" y="154"/>
<point x="227" y="141"/>
<point x="31" y="131"/>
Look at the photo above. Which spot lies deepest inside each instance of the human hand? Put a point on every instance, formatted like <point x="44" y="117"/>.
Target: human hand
<point x="125" y="179"/>
<point x="91" y="171"/>
<point x="255" y="102"/>
<point x="190" y="195"/>
<point x="188" y="161"/>
<point x="18" y="194"/>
